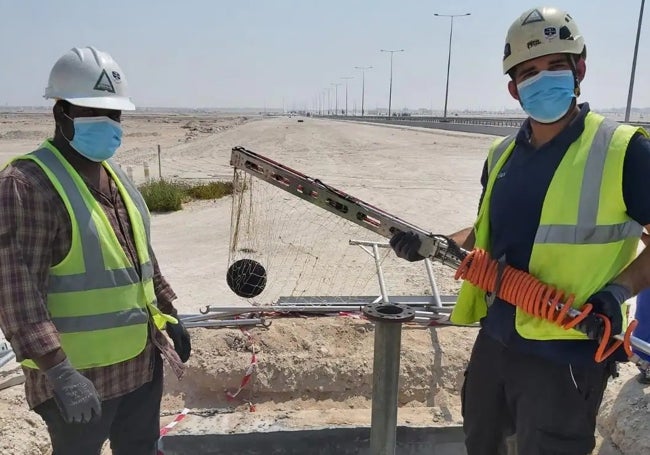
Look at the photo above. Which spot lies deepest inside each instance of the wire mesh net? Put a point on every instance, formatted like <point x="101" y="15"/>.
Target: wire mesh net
<point x="306" y="251"/>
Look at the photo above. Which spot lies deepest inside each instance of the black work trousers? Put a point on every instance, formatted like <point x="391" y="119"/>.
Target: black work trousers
<point x="131" y="422"/>
<point x="550" y="408"/>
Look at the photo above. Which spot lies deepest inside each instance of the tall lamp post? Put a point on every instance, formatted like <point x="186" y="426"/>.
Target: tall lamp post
<point x="346" y="79"/>
<point x="363" y="85"/>
<point x="636" y="49"/>
<point x="336" y="97"/>
<point x="329" y="103"/>
<point x="451" y="32"/>
<point x="390" y="87"/>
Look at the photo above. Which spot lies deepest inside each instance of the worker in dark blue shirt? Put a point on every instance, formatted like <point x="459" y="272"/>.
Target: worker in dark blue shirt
<point x="563" y="200"/>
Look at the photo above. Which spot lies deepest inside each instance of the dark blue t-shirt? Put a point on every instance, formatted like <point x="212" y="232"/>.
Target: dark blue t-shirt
<point x="515" y="210"/>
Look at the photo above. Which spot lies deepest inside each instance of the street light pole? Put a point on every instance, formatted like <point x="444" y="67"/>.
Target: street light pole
<point x="451" y="32"/>
<point x="636" y="49"/>
<point x="329" y="102"/>
<point x="336" y="97"/>
<point x="346" y="78"/>
<point x="363" y="85"/>
<point x="390" y="87"/>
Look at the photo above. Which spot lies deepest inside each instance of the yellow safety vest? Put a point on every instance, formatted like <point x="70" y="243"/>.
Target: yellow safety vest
<point x="98" y="302"/>
<point x="585" y="237"/>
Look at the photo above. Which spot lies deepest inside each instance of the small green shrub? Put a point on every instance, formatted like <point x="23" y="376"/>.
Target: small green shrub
<point x="163" y="196"/>
<point x="212" y="190"/>
<point x="168" y="196"/>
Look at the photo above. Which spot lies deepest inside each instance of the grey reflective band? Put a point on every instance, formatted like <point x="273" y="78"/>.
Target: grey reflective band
<point x="562" y="233"/>
<point x="104" y="321"/>
<point x="586" y="230"/>
<point x="95" y="275"/>
<point x="135" y="195"/>
<point x="147" y="268"/>
<point x="499" y="150"/>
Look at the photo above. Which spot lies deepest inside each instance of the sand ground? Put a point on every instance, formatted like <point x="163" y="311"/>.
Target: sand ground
<point x="318" y="368"/>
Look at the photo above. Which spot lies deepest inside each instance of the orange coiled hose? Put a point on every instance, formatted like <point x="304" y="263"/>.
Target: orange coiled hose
<point x="536" y="298"/>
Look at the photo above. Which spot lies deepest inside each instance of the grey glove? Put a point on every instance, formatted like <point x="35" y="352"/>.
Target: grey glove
<point x="75" y="394"/>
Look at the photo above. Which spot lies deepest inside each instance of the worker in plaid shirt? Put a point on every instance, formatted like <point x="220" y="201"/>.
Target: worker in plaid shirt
<point x="82" y="299"/>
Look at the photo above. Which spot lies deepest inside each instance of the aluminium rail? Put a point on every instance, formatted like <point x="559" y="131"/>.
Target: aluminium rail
<point x="512" y="122"/>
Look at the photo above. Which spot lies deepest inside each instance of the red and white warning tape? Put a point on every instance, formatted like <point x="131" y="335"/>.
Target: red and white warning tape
<point x="249" y="371"/>
<point x="167" y="428"/>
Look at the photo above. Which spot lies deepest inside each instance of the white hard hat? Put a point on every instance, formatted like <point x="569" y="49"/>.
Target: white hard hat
<point x="541" y="31"/>
<point x="90" y="78"/>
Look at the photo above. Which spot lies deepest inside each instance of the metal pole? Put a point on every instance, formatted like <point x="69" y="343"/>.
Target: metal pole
<point x="329" y="102"/>
<point x="435" y="293"/>
<point x="451" y="32"/>
<point x="363" y="91"/>
<point x="388" y="320"/>
<point x="380" y="274"/>
<point x="636" y="50"/>
<point x="390" y="87"/>
<point x="383" y="430"/>
<point x="363" y="86"/>
<point x="159" y="165"/>
<point x="336" y="97"/>
<point x="346" y="79"/>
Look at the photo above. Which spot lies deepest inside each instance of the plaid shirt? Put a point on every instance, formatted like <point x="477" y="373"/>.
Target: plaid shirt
<point x="35" y="234"/>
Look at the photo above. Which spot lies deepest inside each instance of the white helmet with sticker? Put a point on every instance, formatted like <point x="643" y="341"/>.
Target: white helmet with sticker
<point x="90" y="78"/>
<point x="541" y="31"/>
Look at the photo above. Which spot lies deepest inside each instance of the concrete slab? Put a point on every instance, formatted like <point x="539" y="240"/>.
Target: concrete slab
<point x="325" y="441"/>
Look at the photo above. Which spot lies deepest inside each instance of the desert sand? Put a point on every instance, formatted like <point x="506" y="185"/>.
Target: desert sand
<point x="317" y="368"/>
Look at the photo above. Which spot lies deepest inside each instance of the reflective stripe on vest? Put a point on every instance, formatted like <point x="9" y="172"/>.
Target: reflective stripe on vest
<point x="500" y="149"/>
<point x="96" y="276"/>
<point x="587" y="230"/>
<point x="100" y="321"/>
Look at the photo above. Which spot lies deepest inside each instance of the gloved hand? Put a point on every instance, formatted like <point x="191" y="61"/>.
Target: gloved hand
<point x="406" y="246"/>
<point x="181" y="338"/>
<point x="74" y="393"/>
<point x="608" y="302"/>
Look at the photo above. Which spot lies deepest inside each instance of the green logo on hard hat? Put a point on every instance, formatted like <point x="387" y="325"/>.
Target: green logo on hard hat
<point x="104" y="83"/>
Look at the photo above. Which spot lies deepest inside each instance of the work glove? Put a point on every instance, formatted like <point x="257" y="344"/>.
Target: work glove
<point x="181" y="338"/>
<point x="406" y="246"/>
<point x="74" y="394"/>
<point x="608" y="302"/>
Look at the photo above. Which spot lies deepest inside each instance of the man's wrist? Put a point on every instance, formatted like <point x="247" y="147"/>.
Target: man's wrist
<point x="51" y="359"/>
<point x="621" y="291"/>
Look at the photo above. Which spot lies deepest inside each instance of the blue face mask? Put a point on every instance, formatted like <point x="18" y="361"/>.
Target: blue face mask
<point x="96" y="138"/>
<point x="548" y="95"/>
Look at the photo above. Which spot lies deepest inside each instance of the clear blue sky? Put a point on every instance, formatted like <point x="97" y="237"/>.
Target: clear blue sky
<point x="255" y="53"/>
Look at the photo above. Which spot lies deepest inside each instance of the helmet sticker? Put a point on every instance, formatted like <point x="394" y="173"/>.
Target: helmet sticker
<point x="533" y="43"/>
<point x="116" y="77"/>
<point x="534" y="16"/>
<point x="104" y="83"/>
<point x="550" y="32"/>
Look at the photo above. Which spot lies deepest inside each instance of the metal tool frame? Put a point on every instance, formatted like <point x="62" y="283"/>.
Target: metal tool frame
<point x="435" y="246"/>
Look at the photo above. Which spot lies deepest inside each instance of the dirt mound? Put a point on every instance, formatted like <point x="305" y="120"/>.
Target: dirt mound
<point x="320" y="363"/>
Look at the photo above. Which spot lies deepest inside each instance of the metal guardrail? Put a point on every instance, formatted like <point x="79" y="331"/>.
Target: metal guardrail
<point x="6" y="353"/>
<point x="508" y="122"/>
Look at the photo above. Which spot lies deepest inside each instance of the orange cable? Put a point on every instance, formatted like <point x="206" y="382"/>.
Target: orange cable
<point x="536" y="298"/>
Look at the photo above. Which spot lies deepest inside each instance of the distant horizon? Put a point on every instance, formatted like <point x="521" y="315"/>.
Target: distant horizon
<point x="280" y="109"/>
